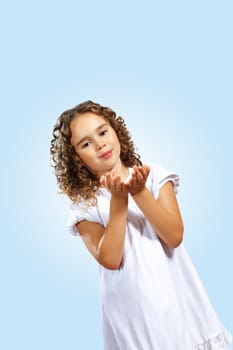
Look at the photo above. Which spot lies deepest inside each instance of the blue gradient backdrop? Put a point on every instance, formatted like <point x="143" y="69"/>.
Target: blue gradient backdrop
<point x="167" y="68"/>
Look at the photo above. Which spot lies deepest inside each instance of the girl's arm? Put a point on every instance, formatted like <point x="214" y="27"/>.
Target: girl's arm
<point x="163" y="214"/>
<point x="107" y="245"/>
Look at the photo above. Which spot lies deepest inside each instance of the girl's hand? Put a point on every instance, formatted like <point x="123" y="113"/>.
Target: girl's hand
<point x="114" y="184"/>
<point x="138" y="179"/>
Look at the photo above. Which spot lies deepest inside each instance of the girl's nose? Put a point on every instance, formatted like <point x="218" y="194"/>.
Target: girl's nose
<point x="99" y="145"/>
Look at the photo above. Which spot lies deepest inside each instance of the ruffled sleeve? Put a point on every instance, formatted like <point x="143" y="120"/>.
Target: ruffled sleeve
<point x="79" y="212"/>
<point x="159" y="176"/>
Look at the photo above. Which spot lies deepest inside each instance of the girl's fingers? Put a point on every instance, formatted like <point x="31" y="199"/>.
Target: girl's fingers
<point x="138" y="179"/>
<point x="146" y="169"/>
<point x="103" y="180"/>
<point x="142" y="172"/>
<point x="124" y="187"/>
<point x="117" y="183"/>
<point x="139" y="175"/>
<point x="113" y="183"/>
<point x="108" y="178"/>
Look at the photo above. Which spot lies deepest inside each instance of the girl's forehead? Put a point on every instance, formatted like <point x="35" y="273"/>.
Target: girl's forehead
<point x="87" y="117"/>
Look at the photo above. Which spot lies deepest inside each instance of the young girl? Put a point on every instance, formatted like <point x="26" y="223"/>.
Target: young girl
<point x="128" y="217"/>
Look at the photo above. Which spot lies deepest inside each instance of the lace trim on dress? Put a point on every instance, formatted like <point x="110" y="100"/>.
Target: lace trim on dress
<point x="219" y="342"/>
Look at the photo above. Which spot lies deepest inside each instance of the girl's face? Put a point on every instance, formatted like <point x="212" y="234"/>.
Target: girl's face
<point x="96" y="143"/>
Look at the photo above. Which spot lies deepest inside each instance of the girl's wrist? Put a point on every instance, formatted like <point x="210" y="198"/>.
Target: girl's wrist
<point x="139" y="193"/>
<point x="120" y="198"/>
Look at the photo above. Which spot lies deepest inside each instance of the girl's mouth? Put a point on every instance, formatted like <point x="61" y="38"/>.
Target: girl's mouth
<point x="107" y="155"/>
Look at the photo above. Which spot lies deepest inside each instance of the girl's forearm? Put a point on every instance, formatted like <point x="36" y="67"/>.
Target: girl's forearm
<point x="111" y="245"/>
<point x="166" y="225"/>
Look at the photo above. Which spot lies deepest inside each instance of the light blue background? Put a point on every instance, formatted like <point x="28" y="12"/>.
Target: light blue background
<point x="166" y="66"/>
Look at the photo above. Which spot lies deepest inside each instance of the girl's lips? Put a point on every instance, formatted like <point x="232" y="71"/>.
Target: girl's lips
<point x="106" y="155"/>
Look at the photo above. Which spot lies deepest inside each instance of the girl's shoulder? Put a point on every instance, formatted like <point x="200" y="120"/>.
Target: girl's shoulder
<point x="81" y="211"/>
<point x="159" y="175"/>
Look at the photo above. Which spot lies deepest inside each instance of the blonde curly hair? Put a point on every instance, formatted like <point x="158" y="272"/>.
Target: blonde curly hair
<point x="73" y="177"/>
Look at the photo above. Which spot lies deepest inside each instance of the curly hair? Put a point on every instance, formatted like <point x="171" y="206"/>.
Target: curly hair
<point x="73" y="177"/>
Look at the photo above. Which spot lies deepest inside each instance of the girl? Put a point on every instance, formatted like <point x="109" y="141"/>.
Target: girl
<point x="129" y="219"/>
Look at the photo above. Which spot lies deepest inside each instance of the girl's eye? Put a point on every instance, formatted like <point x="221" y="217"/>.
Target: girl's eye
<point x="103" y="132"/>
<point x="86" y="144"/>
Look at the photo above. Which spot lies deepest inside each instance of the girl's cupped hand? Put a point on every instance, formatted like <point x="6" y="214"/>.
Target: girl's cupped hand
<point x="138" y="179"/>
<point x="114" y="184"/>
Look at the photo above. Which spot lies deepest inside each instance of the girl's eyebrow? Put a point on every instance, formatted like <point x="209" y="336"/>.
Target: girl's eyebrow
<point x="86" y="137"/>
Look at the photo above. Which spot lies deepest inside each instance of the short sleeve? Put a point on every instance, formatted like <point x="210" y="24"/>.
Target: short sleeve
<point x="161" y="175"/>
<point x="78" y="213"/>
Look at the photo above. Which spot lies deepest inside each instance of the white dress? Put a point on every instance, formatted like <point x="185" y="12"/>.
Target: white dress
<point x="155" y="300"/>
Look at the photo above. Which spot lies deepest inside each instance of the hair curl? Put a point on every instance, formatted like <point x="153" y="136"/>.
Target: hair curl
<point x="73" y="177"/>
